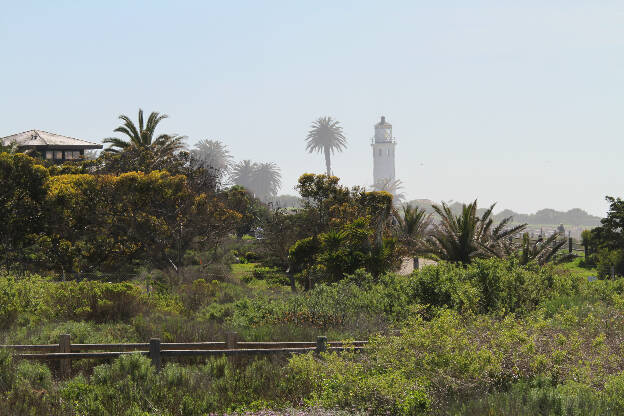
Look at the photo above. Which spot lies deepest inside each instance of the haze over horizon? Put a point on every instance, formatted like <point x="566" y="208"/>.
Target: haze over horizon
<point x="515" y="104"/>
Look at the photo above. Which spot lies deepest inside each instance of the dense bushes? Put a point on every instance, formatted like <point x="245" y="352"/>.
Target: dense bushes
<point x="447" y="339"/>
<point x="35" y="299"/>
<point x="131" y="386"/>
<point x="435" y="364"/>
<point x="362" y="302"/>
<point x="491" y="286"/>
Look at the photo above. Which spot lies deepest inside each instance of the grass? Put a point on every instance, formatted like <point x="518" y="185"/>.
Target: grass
<point x="575" y="267"/>
<point x="243" y="271"/>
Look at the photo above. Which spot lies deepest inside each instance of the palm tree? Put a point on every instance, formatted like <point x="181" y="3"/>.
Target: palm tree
<point x="261" y="179"/>
<point x="542" y="251"/>
<point x="413" y="228"/>
<point x="243" y="174"/>
<point x="460" y="238"/>
<point x="267" y="180"/>
<point x="326" y="136"/>
<point x="143" y="136"/>
<point x="212" y="154"/>
<point x="393" y="186"/>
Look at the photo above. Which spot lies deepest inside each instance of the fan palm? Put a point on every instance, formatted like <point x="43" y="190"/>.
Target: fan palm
<point x="326" y="136"/>
<point x="460" y="238"/>
<point x="144" y="136"/>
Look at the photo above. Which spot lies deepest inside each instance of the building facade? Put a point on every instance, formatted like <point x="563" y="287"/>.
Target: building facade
<point x="49" y="146"/>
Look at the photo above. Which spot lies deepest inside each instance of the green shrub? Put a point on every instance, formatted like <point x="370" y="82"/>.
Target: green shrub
<point x="491" y="285"/>
<point x="608" y="259"/>
<point x="527" y="399"/>
<point x="271" y="275"/>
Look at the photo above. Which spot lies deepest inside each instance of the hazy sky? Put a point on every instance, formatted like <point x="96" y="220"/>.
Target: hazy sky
<point x="515" y="102"/>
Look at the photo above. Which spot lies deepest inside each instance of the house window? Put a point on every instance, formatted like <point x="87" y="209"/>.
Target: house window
<point x="58" y="155"/>
<point x="77" y="154"/>
<point x="49" y="155"/>
<point x="68" y="155"/>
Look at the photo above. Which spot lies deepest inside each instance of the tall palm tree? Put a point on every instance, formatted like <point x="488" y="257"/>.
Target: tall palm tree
<point x="212" y="154"/>
<point x="261" y="179"/>
<point x="326" y="136"/>
<point x="142" y="136"/>
<point x="460" y="238"/>
<point x="243" y="174"/>
<point x="267" y="180"/>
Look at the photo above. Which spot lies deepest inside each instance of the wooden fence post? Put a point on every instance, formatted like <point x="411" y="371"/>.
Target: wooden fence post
<point x="65" y="347"/>
<point x="154" y="353"/>
<point x="231" y="340"/>
<point x="321" y="344"/>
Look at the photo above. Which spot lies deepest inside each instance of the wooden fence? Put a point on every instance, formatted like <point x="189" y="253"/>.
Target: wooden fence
<point x="65" y="351"/>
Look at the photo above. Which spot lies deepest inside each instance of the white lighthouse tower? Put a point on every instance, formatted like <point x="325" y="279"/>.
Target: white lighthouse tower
<point x="383" y="145"/>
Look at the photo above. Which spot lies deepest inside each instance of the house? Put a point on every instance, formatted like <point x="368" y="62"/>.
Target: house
<point x="49" y="146"/>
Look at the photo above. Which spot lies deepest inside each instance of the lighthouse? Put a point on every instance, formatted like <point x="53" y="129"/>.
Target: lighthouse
<point x="383" y="145"/>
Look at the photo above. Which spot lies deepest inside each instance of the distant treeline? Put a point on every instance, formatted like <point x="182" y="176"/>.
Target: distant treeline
<point x="547" y="216"/>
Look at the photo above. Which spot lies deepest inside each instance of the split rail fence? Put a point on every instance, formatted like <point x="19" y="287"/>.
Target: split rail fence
<point x="65" y="351"/>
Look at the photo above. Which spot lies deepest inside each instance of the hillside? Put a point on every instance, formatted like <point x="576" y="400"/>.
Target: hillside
<point x="546" y="216"/>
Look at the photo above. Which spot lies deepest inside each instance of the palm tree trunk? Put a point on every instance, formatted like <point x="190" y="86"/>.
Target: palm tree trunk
<point x="327" y="160"/>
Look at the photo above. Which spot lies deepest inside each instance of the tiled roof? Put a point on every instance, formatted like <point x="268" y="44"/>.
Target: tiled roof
<point x="40" y="138"/>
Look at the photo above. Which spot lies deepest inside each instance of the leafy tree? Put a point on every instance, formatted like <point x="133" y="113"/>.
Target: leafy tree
<point x="115" y="222"/>
<point x="349" y="230"/>
<point x="607" y="241"/>
<point x="251" y="210"/>
<point x="610" y="234"/>
<point x="282" y="229"/>
<point x="342" y="251"/>
<point x="21" y="204"/>
<point x="588" y="243"/>
<point x="460" y="238"/>
<point x="323" y="197"/>
<point x="326" y="136"/>
<point x="144" y="136"/>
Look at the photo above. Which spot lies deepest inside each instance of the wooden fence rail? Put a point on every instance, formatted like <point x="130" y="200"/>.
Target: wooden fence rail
<point x="65" y="351"/>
